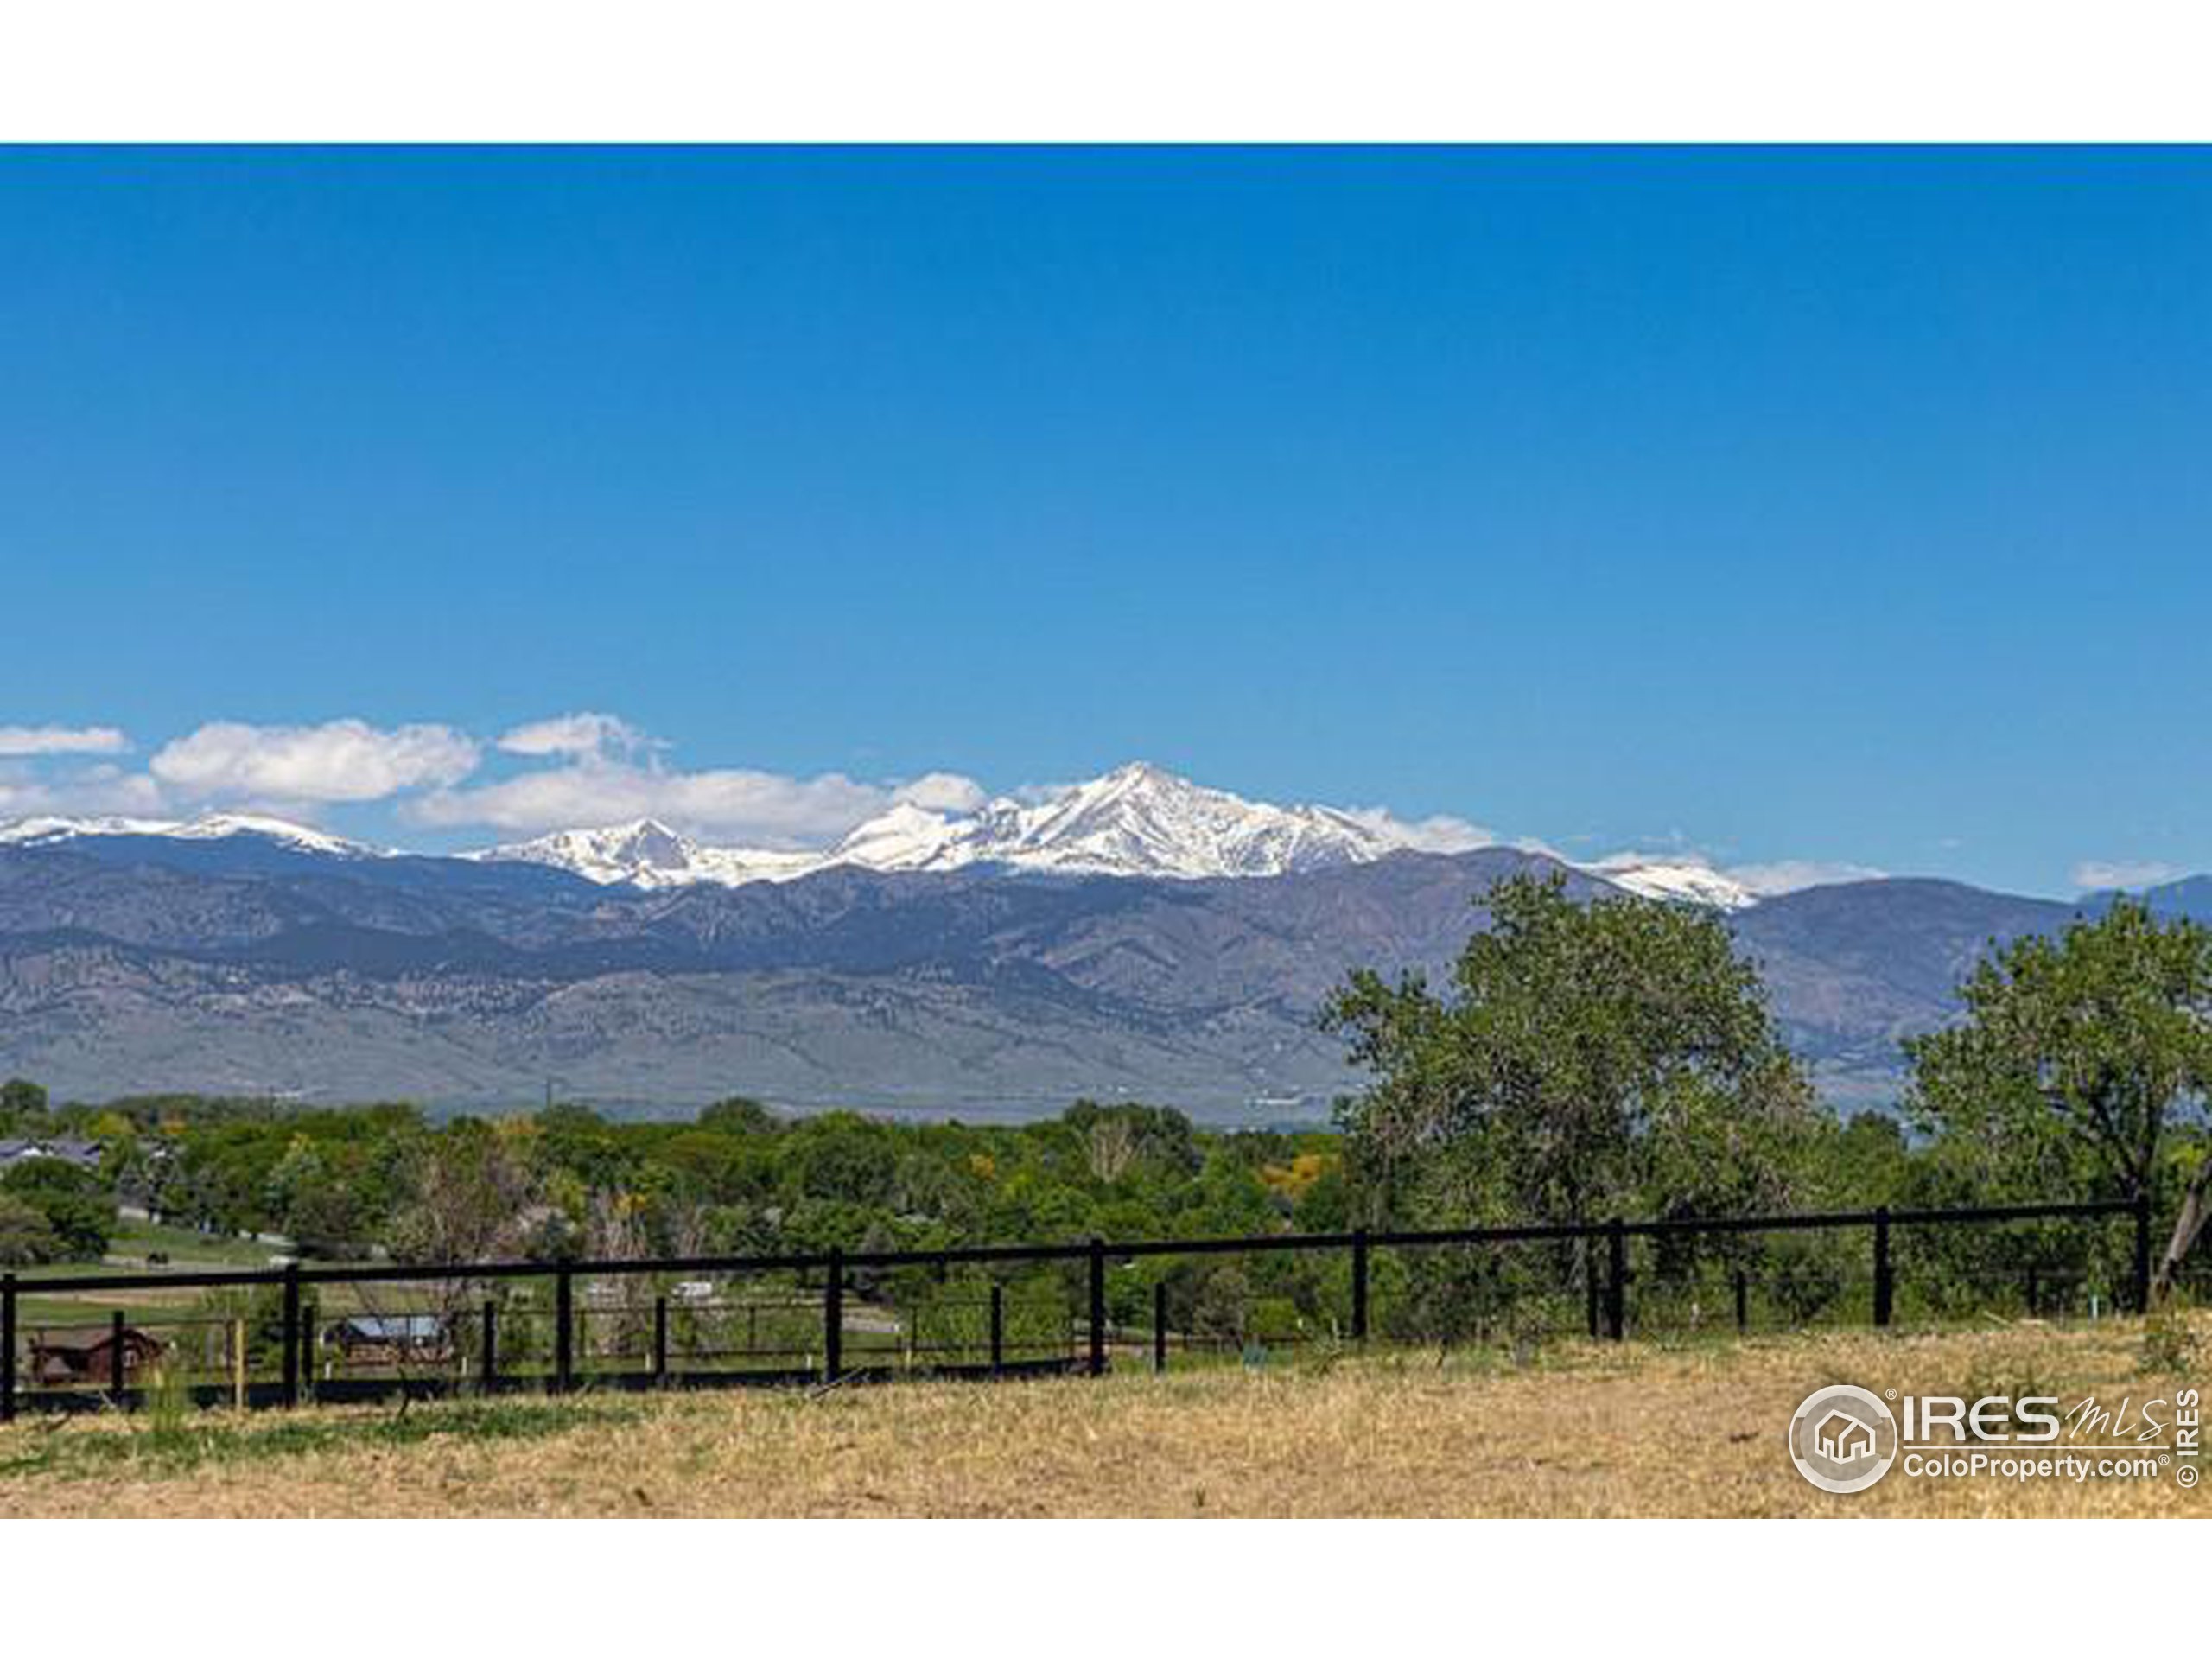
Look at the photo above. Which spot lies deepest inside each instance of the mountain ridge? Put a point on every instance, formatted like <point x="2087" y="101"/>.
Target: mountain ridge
<point x="128" y="965"/>
<point x="1137" y="820"/>
<point x="1136" y="936"/>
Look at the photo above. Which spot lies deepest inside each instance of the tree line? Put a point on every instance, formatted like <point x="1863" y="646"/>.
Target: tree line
<point x="1584" y="1060"/>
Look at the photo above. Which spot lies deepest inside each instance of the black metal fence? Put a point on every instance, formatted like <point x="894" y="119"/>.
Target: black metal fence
<point x="338" y="1333"/>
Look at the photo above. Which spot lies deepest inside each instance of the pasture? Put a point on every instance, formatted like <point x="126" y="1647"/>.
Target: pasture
<point x="1569" y="1429"/>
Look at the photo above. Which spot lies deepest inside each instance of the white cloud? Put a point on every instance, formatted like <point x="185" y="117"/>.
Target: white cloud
<point x="1794" y="875"/>
<point x="338" y="760"/>
<point x="1764" y="881"/>
<point x="2096" y="874"/>
<point x="610" y="771"/>
<point x="1441" y="834"/>
<point x="88" y="791"/>
<point x="760" y="808"/>
<point x="576" y="734"/>
<point x="942" y="792"/>
<point x="23" y="740"/>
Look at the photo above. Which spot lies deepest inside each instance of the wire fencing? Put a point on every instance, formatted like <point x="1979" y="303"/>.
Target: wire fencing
<point x="280" y="1336"/>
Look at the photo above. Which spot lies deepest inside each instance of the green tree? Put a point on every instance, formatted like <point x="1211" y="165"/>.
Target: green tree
<point x="2082" y="1064"/>
<point x="75" y="1203"/>
<point x="26" y="1240"/>
<point x="21" y="1102"/>
<point x="739" y="1115"/>
<point x="1592" y="1059"/>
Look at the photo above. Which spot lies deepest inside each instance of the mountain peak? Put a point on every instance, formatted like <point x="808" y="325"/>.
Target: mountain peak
<point x="210" y="826"/>
<point x="1137" y="820"/>
<point x="1676" y="877"/>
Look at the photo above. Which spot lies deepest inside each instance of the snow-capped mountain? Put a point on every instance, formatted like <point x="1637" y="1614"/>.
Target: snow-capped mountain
<point x="1136" y="820"/>
<point x="213" y="826"/>
<point x="647" y="854"/>
<point x="1688" y="880"/>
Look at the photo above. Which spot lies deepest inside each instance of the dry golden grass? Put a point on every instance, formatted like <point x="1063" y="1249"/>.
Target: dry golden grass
<point x="1584" y="1431"/>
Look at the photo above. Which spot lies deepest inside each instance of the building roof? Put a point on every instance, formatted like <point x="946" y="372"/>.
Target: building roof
<point x="85" y="1339"/>
<point x="395" y="1327"/>
<point x="85" y="1154"/>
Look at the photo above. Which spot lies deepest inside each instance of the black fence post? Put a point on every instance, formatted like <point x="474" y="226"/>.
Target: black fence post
<point x="1590" y="1284"/>
<point x="660" y="1339"/>
<point x="490" y="1358"/>
<point x="833" y="1319"/>
<point x="7" y="1347"/>
<point x="1160" y="1324"/>
<point x="1359" y="1285"/>
<point x="1098" y="1306"/>
<point x="1885" y="1281"/>
<point x="116" y="1375"/>
<point x="1616" y="1291"/>
<point x="311" y="1315"/>
<point x="291" y="1337"/>
<point x="1742" y="1303"/>
<point x="2143" y="1252"/>
<point x="998" y="1329"/>
<point x="564" y="1352"/>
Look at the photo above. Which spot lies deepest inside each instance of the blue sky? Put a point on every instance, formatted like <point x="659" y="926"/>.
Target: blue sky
<point x="1777" y="506"/>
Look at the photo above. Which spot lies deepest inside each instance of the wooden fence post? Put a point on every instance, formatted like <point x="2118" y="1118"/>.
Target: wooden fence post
<point x="833" y="1319"/>
<point x="1885" y="1283"/>
<point x="1616" y="1291"/>
<point x="1359" y="1285"/>
<point x="237" y="1363"/>
<point x="1098" y="1366"/>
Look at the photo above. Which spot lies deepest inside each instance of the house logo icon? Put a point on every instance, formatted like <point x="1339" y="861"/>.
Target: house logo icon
<point x="1843" y="1438"/>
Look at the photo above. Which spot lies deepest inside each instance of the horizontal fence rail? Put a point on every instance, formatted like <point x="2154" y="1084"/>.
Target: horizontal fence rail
<point x="472" y="1344"/>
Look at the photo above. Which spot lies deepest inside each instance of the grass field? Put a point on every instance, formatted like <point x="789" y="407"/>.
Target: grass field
<point x="1582" y="1430"/>
<point x="135" y="1241"/>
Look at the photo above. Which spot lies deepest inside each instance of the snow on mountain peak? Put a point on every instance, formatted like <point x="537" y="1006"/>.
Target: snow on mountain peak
<point x="1681" y="878"/>
<point x="1139" y="820"/>
<point x="216" y="826"/>
<point x="212" y="826"/>
<point x="646" y="853"/>
<point x="1136" y="820"/>
<point x="39" y="831"/>
<point x="903" y="837"/>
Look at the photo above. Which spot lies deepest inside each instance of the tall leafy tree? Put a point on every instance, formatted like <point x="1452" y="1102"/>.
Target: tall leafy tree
<point x="1587" y="1058"/>
<point x="2083" y="1059"/>
<point x="76" y="1203"/>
